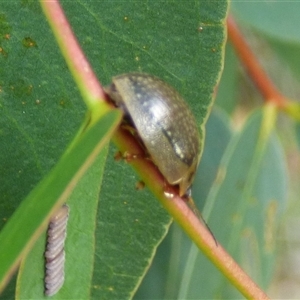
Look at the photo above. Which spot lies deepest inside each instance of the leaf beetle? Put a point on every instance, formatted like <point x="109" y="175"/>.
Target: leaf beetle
<point x="164" y="123"/>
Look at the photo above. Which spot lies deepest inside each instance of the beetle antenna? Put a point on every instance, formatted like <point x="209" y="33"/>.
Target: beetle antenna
<point x="196" y="211"/>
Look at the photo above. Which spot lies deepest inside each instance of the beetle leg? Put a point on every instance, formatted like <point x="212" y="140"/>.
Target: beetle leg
<point x="140" y="185"/>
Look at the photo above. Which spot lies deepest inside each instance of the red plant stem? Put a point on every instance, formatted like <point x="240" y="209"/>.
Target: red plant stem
<point x="182" y="213"/>
<point x="253" y="67"/>
<point x="74" y="56"/>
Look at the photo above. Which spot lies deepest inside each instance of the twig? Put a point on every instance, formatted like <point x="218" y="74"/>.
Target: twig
<point x="253" y="67"/>
<point x="79" y="66"/>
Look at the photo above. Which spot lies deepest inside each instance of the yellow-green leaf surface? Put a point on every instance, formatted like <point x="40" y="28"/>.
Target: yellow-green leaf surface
<point x="181" y="42"/>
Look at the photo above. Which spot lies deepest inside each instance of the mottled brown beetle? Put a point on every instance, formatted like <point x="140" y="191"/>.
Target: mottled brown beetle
<point x="164" y="123"/>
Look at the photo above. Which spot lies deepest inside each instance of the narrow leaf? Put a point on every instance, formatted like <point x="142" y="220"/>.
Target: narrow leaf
<point x="31" y="217"/>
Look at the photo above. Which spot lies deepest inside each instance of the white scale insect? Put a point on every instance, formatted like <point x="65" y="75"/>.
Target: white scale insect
<point x="55" y="253"/>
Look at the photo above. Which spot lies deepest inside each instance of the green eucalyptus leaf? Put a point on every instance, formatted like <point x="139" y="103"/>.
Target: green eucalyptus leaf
<point x="180" y="42"/>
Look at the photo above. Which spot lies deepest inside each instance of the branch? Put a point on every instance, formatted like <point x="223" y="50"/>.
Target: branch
<point x="182" y="213"/>
<point x="79" y="66"/>
<point x="253" y="67"/>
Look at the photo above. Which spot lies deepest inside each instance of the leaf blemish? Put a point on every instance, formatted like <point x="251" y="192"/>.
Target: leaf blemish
<point x="28" y="42"/>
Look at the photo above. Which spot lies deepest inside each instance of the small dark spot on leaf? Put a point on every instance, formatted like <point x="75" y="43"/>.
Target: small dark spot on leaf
<point x="139" y="185"/>
<point x="3" y="52"/>
<point x="5" y="28"/>
<point x="28" y="42"/>
<point x="64" y="103"/>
